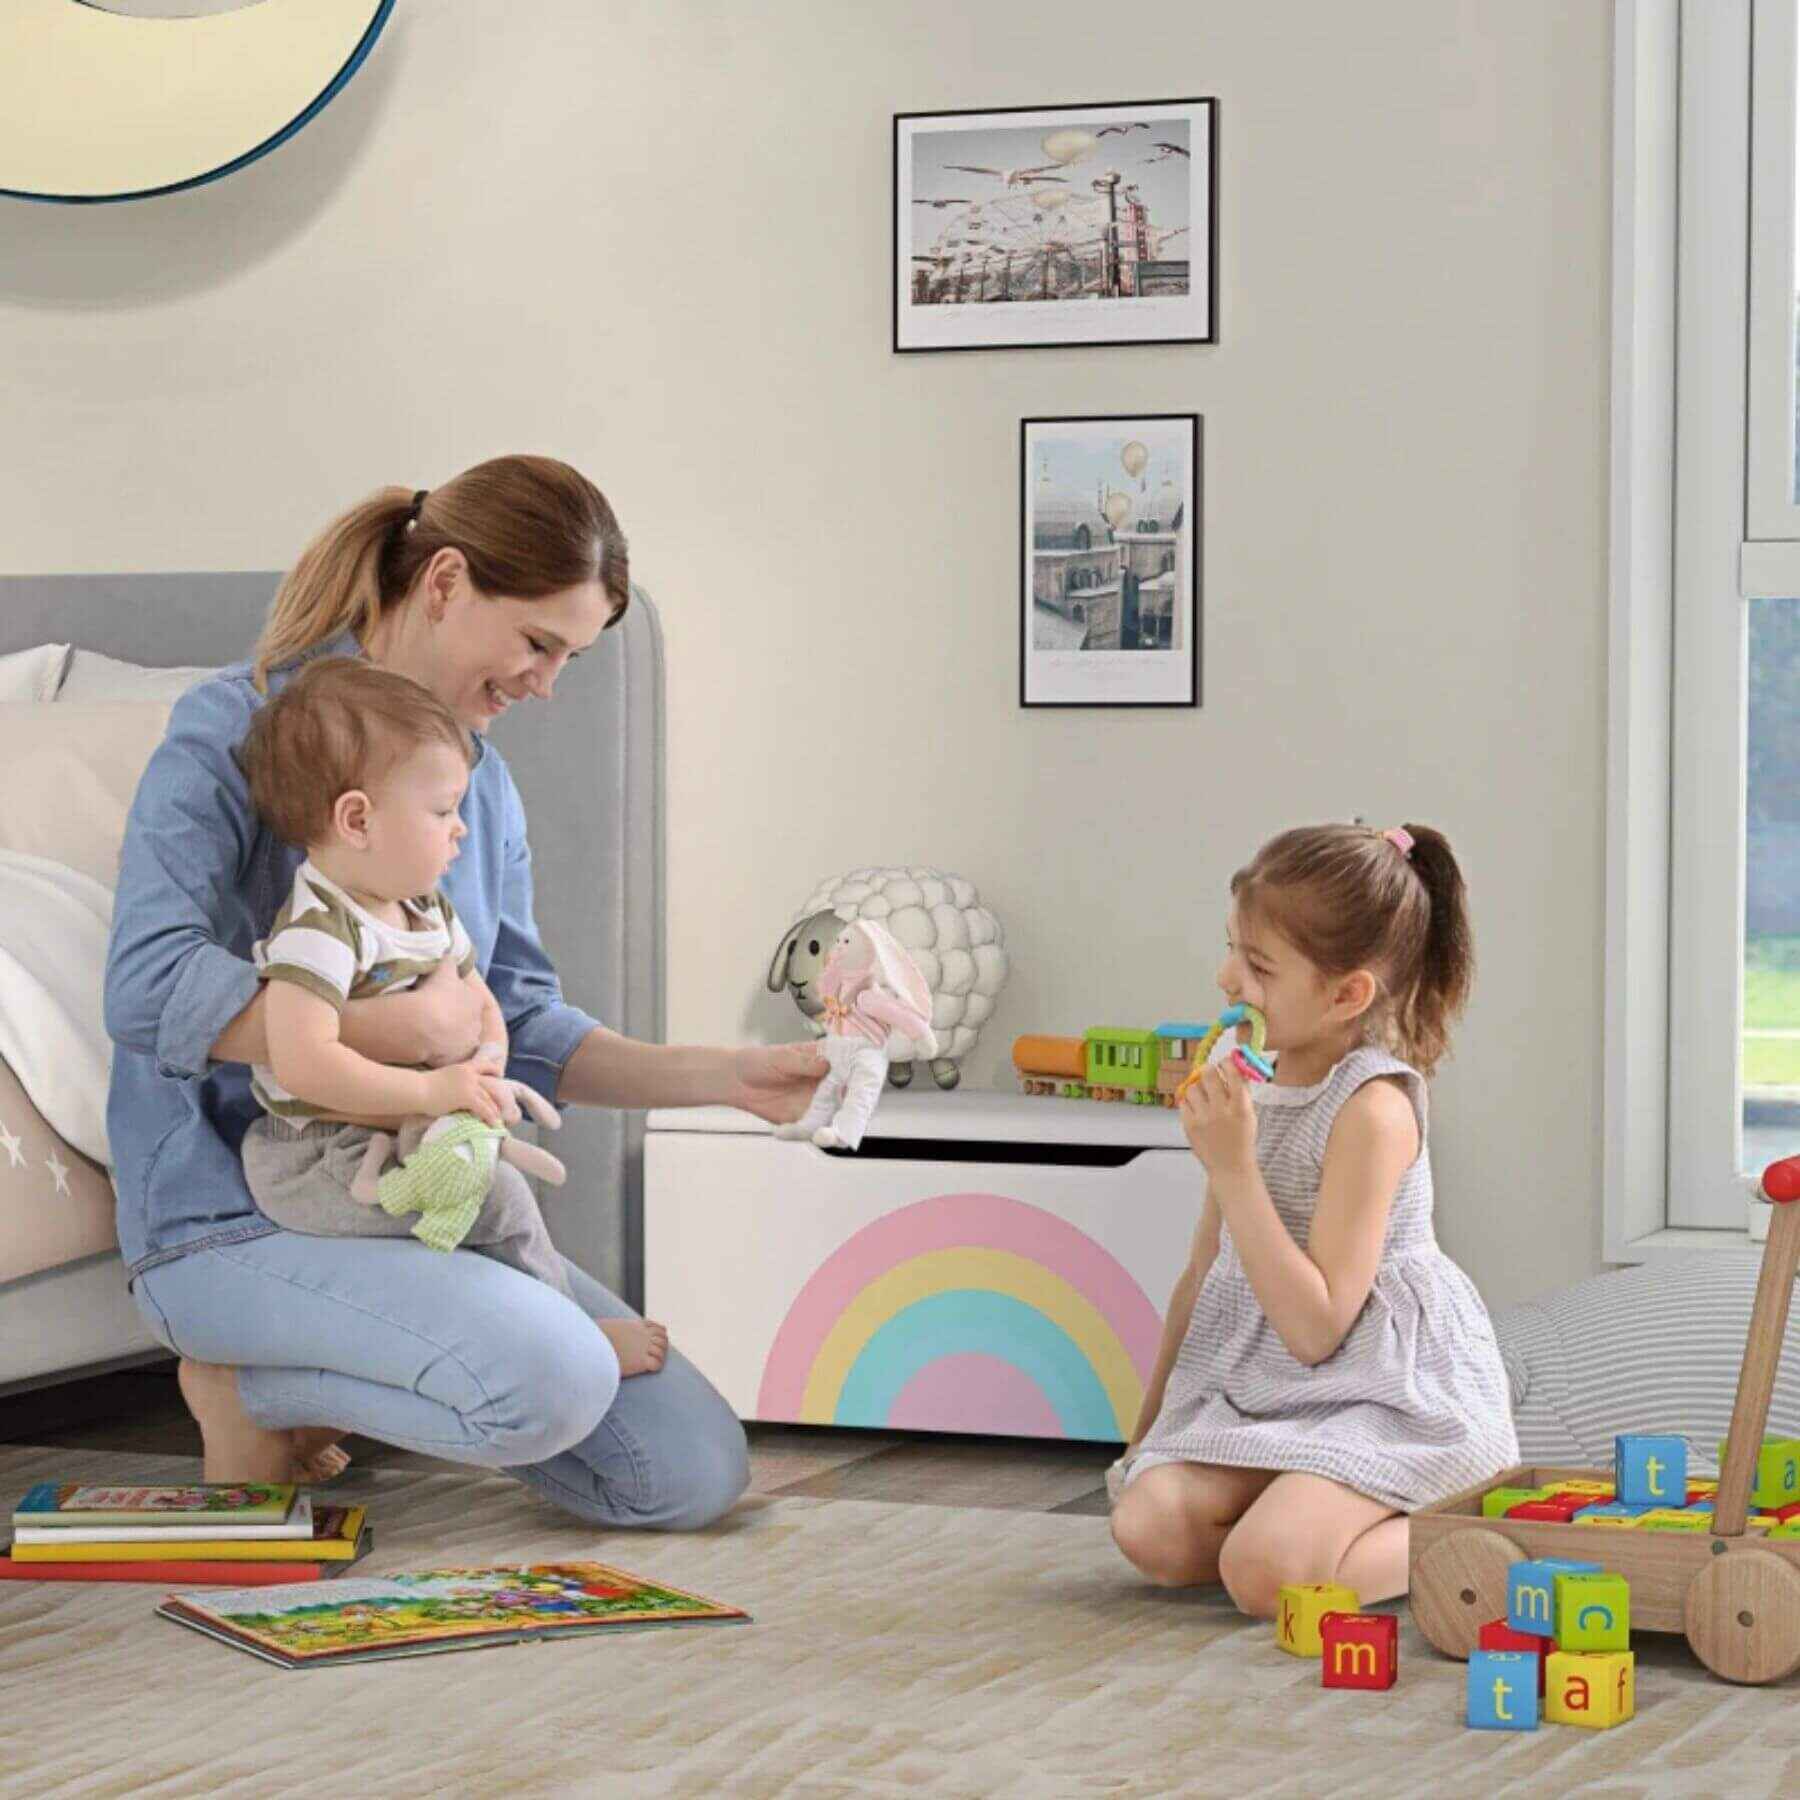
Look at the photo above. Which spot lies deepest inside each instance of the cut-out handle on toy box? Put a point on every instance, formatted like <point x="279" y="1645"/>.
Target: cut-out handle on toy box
<point x="1762" y="1348"/>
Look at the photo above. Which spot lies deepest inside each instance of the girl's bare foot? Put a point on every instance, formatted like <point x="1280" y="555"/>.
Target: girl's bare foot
<point x="641" y="1344"/>
<point x="235" y="1448"/>
<point x="317" y="1457"/>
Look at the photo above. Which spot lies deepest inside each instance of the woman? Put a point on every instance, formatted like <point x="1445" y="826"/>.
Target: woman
<point x="482" y="590"/>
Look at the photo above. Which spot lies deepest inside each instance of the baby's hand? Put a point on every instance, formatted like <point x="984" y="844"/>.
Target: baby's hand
<point x="471" y="1088"/>
<point x="1220" y="1121"/>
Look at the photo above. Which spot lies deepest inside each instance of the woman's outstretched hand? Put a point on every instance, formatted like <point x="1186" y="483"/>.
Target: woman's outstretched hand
<point x="776" y="1081"/>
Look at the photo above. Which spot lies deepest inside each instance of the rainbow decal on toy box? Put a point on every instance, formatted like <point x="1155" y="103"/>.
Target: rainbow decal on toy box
<point x="966" y="1312"/>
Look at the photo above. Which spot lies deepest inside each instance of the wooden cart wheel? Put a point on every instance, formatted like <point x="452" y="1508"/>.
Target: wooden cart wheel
<point x="1458" y="1585"/>
<point x="1743" y="1617"/>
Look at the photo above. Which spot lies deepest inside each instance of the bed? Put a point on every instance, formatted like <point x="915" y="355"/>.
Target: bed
<point x="590" y="768"/>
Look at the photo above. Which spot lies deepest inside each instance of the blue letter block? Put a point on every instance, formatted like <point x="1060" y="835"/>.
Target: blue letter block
<point x="1531" y="1592"/>
<point x="1650" y="1471"/>
<point x="1503" y="1692"/>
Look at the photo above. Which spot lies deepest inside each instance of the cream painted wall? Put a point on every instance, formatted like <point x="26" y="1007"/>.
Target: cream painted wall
<point x="654" y="238"/>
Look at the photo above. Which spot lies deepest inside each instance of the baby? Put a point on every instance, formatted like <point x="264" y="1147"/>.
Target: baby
<point x="366" y="770"/>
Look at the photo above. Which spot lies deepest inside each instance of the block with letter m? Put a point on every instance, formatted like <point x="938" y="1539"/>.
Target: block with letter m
<point x="1359" y="1650"/>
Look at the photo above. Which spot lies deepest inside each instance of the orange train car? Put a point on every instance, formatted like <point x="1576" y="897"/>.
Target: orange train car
<point x="1051" y="1065"/>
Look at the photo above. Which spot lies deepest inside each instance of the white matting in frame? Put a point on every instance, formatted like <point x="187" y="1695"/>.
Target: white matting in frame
<point x="1066" y="225"/>
<point x="1110" y="546"/>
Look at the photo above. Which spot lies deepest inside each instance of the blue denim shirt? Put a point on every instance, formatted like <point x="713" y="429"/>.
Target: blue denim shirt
<point x="200" y="880"/>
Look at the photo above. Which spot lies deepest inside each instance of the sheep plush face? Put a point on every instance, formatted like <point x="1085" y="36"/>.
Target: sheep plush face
<point x="799" y="961"/>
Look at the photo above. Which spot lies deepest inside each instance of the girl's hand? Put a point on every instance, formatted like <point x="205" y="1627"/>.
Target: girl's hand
<point x="776" y="1081"/>
<point x="1220" y="1120"/>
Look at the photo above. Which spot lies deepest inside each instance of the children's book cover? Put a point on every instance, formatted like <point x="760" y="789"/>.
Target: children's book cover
<point x="422" y="1611"/>
<point x="79" y="1503"/>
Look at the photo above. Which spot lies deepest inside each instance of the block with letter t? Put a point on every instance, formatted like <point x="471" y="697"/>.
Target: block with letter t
<point x="1503" y="1694"/>
<point x="1360" y="1650"/>
<point x="1650" y="1471"/>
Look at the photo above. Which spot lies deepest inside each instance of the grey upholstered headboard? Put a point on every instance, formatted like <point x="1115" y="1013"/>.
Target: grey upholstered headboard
<point x="590" y="768"/>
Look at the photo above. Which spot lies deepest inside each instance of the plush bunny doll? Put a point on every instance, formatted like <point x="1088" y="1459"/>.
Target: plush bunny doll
<point x="877" y="1008"/>
<point x="447" y="1165"/>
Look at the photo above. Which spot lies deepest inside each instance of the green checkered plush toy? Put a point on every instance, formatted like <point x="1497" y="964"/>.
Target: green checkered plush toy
<point x="447" y="1165"/>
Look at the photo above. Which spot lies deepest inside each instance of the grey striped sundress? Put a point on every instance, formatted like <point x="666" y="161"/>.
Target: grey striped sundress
<point x="1410" y="1407"/>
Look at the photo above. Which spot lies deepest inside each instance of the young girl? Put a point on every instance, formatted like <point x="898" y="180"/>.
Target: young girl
<point x="1325" y="1368"/>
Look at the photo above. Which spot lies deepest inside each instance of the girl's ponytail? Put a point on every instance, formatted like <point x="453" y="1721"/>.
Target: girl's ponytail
<point x="1446" y="966"/>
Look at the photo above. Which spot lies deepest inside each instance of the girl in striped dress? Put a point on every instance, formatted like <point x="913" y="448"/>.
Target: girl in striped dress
<point x="1325" y="1368"/>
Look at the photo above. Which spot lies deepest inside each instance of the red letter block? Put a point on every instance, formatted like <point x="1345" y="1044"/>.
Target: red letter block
<point x="1498" y="1635"/>
<point x="1361" y="1650"/>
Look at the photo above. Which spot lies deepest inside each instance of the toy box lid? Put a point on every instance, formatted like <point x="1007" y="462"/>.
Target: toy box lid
<point x="972" y="1116"/>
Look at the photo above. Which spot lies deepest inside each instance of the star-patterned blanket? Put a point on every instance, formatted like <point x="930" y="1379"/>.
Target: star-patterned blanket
<point x="54" y="924"/>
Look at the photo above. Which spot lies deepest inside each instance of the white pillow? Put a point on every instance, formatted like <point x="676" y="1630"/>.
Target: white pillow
<point x="92" y="676"/>
<point x="70" y="773"/>
<point x="33" y="674"/>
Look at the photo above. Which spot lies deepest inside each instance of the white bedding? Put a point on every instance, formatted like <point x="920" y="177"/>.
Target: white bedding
<point x="54" y="925"/>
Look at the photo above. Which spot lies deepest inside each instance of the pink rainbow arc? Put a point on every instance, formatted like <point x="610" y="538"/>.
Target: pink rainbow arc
<point x="952" y="1222"/>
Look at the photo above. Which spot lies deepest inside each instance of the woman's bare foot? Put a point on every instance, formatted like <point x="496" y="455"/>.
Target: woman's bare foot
<point x="317" y="1457"/>
<point x="236" y="1449"/>
<point x="641" y="1344"/>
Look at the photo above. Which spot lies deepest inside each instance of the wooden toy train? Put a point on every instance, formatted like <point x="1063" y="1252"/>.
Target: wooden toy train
<point x="1140" y="1068"/>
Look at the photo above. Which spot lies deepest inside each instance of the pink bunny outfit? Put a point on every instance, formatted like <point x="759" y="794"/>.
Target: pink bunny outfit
<point x="876" y="1002"/>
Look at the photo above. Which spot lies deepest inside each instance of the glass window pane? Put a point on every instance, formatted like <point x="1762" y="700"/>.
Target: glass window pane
<point x="1771" y="1098"/>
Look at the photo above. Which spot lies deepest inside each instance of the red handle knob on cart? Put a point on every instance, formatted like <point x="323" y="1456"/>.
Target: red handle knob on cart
<point x="1781" y="1180"/>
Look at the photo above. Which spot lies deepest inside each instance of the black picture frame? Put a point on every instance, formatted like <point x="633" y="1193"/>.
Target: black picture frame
<point x="1109" y="680"/>
<point x="1162" y="322"/>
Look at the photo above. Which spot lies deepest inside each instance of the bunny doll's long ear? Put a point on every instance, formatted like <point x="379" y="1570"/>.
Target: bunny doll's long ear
<point x="778" y="964"/>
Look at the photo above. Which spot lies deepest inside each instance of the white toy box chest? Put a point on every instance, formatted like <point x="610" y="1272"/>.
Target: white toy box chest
<point x="984" y="1263"/>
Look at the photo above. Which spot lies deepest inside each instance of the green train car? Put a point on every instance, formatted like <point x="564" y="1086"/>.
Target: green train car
<point x="1122" y="1064"/>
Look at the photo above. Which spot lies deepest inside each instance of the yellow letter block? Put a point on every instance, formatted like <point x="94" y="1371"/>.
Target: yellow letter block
<point x="1595" y="1690"/>
<point x="1297" y="1618"/>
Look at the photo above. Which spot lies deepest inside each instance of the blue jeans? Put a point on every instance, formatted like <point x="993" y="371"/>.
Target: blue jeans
<point x="456" y="1356"/>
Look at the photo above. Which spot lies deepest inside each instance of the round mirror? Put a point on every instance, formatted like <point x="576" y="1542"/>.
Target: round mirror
<point x="121" y="99"/>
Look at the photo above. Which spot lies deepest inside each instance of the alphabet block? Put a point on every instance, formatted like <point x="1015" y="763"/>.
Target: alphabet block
<point x="1531" y="1592"/>
<point x="1302" y="1607"/>
<point x="1651" y="1471"/>
<point x="1496" y="1502"/>
<point x="1594" y="1691"/>
<point x="1593" y="1612"/>
<point x="1360" y="1650"/>
<point x="1496" y="1634"/>
<point x="1777" y="1479"/>
<point x="1665" y="1518"/>
<point x="1503" y="1692"/>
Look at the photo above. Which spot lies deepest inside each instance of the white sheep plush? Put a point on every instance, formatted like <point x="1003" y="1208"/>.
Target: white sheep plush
<point x="957" y="943"/>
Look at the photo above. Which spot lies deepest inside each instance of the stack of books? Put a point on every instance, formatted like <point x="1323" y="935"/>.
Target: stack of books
<point x="241" y="1534"/>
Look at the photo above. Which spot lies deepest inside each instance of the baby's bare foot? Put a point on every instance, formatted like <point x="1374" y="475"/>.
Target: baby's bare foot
<point x="641" y="1344"/>
<point x="317" y="1457"/>
<point x="236" y="1449"/>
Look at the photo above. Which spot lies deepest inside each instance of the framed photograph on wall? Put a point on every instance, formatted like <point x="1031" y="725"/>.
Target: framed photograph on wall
<point x="1033" y="227"/>
<point x="1109" y="586"/>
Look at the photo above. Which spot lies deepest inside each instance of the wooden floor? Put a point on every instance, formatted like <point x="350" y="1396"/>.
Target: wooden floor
<point x="140" y="1412"/>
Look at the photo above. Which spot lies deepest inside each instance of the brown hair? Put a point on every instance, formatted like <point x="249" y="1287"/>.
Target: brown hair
<point x="339" y="724"/>
<point x="1347" y="897"/>
<point x="528" y="526"/>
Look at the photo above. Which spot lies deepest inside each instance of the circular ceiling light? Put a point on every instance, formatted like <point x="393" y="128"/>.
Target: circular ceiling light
<point x="121" y="99"/>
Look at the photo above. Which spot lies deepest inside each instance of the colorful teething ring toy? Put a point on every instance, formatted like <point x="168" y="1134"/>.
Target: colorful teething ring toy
<point x="1247" y="1059"/>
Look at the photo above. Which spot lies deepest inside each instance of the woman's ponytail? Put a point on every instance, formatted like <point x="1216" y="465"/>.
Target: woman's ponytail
<point x="527" y="526"/>
<point x="336" y="584"/>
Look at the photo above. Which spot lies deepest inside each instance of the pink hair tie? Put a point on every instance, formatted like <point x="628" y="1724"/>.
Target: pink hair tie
<point x="1401" y="839"/>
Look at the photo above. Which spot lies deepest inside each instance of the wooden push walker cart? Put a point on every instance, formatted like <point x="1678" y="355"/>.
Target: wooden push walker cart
<point x="1737" y="1599"/>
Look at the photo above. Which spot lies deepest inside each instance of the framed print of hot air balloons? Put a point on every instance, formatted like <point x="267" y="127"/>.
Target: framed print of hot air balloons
<point x="1109" y="561"/>
<point x="1035" y="227"/>
<point x="106" y="100"/>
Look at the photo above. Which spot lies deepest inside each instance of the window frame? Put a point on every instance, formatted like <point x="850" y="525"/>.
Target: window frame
<point x="1703" y="223"/>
